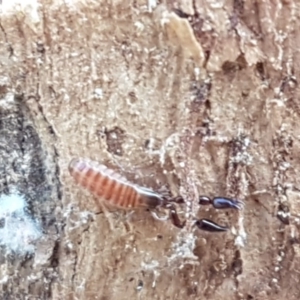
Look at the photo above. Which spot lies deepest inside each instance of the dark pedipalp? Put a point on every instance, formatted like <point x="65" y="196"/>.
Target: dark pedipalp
<point x="208" y="225"/>
<point x="221" y="202"/>
<point x="202" y="224"/>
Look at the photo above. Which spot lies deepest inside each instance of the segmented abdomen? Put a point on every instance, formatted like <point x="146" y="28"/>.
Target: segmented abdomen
<point x="111" y="186"/>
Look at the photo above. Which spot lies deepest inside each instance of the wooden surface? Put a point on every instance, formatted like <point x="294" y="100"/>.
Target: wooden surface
<point x="201" y="96"/>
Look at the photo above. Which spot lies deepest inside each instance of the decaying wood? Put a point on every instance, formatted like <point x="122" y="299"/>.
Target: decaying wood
<point x="198" y="96"/>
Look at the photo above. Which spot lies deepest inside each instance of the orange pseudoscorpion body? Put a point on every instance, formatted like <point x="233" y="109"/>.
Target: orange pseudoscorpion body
<point x="111" y="186"/>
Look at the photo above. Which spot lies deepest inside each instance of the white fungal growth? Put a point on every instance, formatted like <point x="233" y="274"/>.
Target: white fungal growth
<point x="18" y="231"/>
<point x="184" y="246"/>
<point x="241" y="237"/>
<point x="28" y="7"/>
<point x="98" y="93"/>
<point x="151" y="5"/>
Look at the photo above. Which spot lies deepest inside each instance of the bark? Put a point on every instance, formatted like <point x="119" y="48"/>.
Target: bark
<point x="199" y="96"/>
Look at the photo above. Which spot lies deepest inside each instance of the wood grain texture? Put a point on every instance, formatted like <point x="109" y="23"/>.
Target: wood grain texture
<point x="115" y="82"/>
